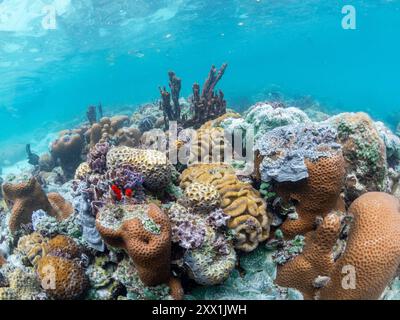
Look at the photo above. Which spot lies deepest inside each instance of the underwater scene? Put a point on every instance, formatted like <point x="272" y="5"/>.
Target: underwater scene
<point x="199" y="150"/>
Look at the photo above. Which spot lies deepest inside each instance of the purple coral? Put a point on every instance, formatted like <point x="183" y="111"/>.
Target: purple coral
<point x="125" y="177"/>
<point x="97" y="157"/>
<point x="217" y="218"/>
<point x="188" y="235"/>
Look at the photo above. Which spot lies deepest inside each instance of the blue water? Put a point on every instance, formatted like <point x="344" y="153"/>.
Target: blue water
<point x="118" y="52"/>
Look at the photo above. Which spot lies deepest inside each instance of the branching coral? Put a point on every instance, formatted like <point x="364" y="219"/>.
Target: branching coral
<point x="144" y="231"/>
<point x="205" y="105"/>
<point x="250" y="220"/>
<point x="368" y="263"/>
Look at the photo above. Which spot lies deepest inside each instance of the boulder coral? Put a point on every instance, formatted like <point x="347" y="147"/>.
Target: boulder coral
<point x="144" y="232"/>
<point x="202" y="198"/>
<point x="364" y="152"/>
<point x="307" y="168"/>
<point x="26" y="197"/>
<point x="153" y="165"/>
<point x="366" y="266"/>
<point x="250" y="219"/>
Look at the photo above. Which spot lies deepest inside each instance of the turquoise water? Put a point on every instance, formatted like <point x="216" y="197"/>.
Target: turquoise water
<point x="118" y="52"/>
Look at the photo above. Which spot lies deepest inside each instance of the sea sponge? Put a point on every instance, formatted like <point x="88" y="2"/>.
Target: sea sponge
<point x="153" y="165"/>
<point x="144" y="232"/>
<point x="63" y="246"/>
<point x="67" y="150"/>
<point x="364" y="152"/>
<point x="32" y="247"/>
<point x="24" y="198"/>
<point x="202" y="198"/>
<point x="62" y="279"/>
<point x="368" y="263"/>
<point x="250" y="219"/>
<point x="82" y="171"/>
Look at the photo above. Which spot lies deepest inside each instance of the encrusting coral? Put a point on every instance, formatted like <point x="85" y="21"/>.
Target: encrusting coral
<point x="26" y="197"/>
<point x="367" y="264"/>
<point x="144" y="231"/>
<point x="250" y="219"/>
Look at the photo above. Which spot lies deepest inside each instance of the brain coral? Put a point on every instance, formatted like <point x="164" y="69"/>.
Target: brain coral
<point x="63" y="246"/>
<point x="153" y="165"/>
<point x="61" y="278"/>
<point x="24" y="198"/>
<point x="368" y="263"/>
<point x="308" y="168"/>
<point x="82" y="171"/>
<point x="249" y="217"/>
<point x="364" y="152"/>
<point x="202" y="197"/>
<point x="144" y="231"/>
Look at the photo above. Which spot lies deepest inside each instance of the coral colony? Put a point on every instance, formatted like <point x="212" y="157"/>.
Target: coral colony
<point x="106" y="214"/>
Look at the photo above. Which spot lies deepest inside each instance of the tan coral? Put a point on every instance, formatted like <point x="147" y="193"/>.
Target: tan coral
<point x="153" y="165"/>
<point x="62" y="279"/>
<point x="149" y="248"/>
<point x="62" y="207"/>
<point x="82" y="171"/>
<point x="368" y="263"/>
<point x="315" y="196"/>
<point x="202" y="198"/>
<point x="23" y="285"/>
<point x="32" y="247"/>
<point x="63" y="246"/>
<point x="249" y="216"/>
<point x="128" y="137"/>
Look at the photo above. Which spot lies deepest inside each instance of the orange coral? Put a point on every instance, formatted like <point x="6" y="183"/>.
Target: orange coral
<point x="62" y="207"/>
<point x="61" y="278"/>
<point x="26" y="197"/>
<point x="150" y="251"/>
<point x="369" y="261"/>
<point x="315" y="196"/>
<point x="63" y="246"/>
<point x="249" y="216"/>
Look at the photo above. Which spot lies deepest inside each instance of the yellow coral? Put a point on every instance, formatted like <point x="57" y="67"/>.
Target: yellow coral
<point x="32" y="247"/>
<point x="202" y="197"/>
<point x="23" y="285"/>
<point x="250" y="219"/>
<point x="153" y="165"/>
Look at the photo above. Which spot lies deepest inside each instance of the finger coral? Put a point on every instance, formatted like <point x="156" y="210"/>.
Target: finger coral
<point x="250" y="219"/>
<point x="144" y="231"/>
<point x="367" y="264"/>
<point x="153" y="165"/>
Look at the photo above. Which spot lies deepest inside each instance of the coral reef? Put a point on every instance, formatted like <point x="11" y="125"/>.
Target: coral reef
<point x="250" y="220"/>
<point x="318" y="272"/>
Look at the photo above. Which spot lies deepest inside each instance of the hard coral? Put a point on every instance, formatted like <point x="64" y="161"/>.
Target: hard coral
<point x="249" y="217"/>
<point x="61" y="278"/>
<point x="63" y="246"/>
<point x="67" y="150"/>
<point x="144" y="232"/>
<point x="368" y="263"/>
<point x="153" y="165"/>
<point x="24" y="198"/>
<point x="202" y="198"/>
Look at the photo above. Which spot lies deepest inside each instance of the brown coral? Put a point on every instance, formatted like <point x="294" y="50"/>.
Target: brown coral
<point x="368" y="263"/>
<point x="148" y="247"/>
<point x="63" y="246"/>
<point x="32" y="247"/>
<point x="128" y="137"/>
<point x="67" y="150"/>
<point x="249" y="217"/>
<point x="315" y="196"/>
<point x="61" y="278"/>
<point x="26" y="197"/>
